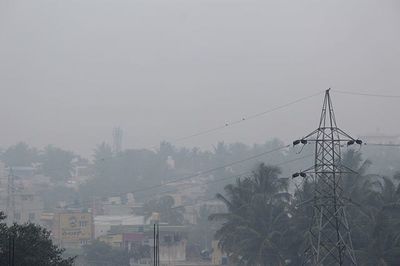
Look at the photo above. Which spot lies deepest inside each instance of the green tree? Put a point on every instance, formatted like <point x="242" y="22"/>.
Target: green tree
<point x="165" y="206"/>
<point x="255" y="229"/>
<point x="373" y="213"/>
<point x="373" y="227"/>
<point x="378" y="235"/>
<point x="57" y="163"/>
<point x="20" y="155"/>
<point x="103" y="156"/>
<point x="32" y="246"/>
<point x="382" y="244"/>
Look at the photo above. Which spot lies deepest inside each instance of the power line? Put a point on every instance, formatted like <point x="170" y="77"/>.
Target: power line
<point x="225" y="125"/>
<point x="199" y="173"/>
<point x="210" y="130"/>
<point x="205" y="183"/>
<point x="329" y="239"/>
<point x="246" y="118"/>
<point x="242" y="174"/>
<point x="367" y="94"/>
<point x="229" y="177"/>
<point x="207" y="199"/>
<point x="382" y="144"/>
<point x="208" y="171"/>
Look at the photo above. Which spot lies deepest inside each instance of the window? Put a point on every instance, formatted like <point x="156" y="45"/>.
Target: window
<point x="83" y="223"/>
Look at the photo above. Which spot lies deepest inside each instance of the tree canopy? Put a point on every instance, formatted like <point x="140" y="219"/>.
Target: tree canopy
<point x="31" y="245"/>
<point x="57" y="163"/>
<point x="20" y="154"/>
<point x="264" y="225"/>
<point x="165" y="207"/>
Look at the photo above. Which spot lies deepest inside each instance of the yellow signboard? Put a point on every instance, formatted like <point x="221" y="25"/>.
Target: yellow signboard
<point x="75" y="226"/>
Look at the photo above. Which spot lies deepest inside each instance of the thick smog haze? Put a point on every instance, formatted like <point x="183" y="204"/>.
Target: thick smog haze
<point x="72" y="70"/>
<point x="199" y="132"/>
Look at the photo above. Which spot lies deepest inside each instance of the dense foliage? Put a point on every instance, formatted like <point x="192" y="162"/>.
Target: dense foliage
<point x="31" y="245"/>
<point x="264" y="225"/>
<point x="165" y="207"/>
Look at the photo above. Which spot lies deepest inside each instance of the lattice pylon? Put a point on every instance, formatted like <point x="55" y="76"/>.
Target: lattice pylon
<point x="329" y="241"/>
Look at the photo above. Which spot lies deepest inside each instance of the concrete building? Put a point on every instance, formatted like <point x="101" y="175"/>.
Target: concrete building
<point x="20" y="203"/>
<point x="72" y="229"/>
<point x="28" y="207"/>
<point x="103" y="223"/>
<point x="173" y="240"/>
<point x="114" y="206"/>
<point x="114" y="241"/>
<point x="20" y="194"/>
<point x="218" y="257"/>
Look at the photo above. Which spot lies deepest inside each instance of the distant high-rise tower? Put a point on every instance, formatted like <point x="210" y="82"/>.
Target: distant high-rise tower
<point x="117" y="140"/>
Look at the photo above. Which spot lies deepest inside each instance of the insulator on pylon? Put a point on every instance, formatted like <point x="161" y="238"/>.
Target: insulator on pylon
<point x="359" y="142"/>
<point x="295" y="175"/>
<point x="302" y="174"/>
<point x="296" y="142"/>
<point x="303" y="141"/>
<point x="350" y="142"/>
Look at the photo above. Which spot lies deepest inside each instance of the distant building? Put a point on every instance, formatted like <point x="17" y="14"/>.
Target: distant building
<point x="214" y="206"/>
<point x="118" y="206"/>
<point x="114" y="241"/>
<point x="24" y="171"/>
<point x="28" y="207"/>
<point x="103" y="223"/>
<point x="187" y="191"/>
<point x="218" y="257"/>
<point x="47" y="220"/>
<point x="173" y="240"/>
<point x="20" y="203"/>
<point x="72" y="229"/>
<point x="20" y="194"/>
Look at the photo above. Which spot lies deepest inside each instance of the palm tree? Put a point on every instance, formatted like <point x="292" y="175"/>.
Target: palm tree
<point x="377" y="232"/>
<point x="382" y="246"/>
<point x="256" y="226"/>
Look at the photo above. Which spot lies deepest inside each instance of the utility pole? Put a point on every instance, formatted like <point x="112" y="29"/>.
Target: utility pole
<point x="329" y="241"/>
<point x="156" y="244"/>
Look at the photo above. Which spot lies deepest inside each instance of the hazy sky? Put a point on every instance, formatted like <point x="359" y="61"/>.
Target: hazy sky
<point x="71" y="70"/>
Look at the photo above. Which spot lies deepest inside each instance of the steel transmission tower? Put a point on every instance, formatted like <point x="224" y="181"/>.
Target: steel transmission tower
<point x="329" y="240"/>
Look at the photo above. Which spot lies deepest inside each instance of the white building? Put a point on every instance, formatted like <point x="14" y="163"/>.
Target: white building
<point x="103" y="223"/>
